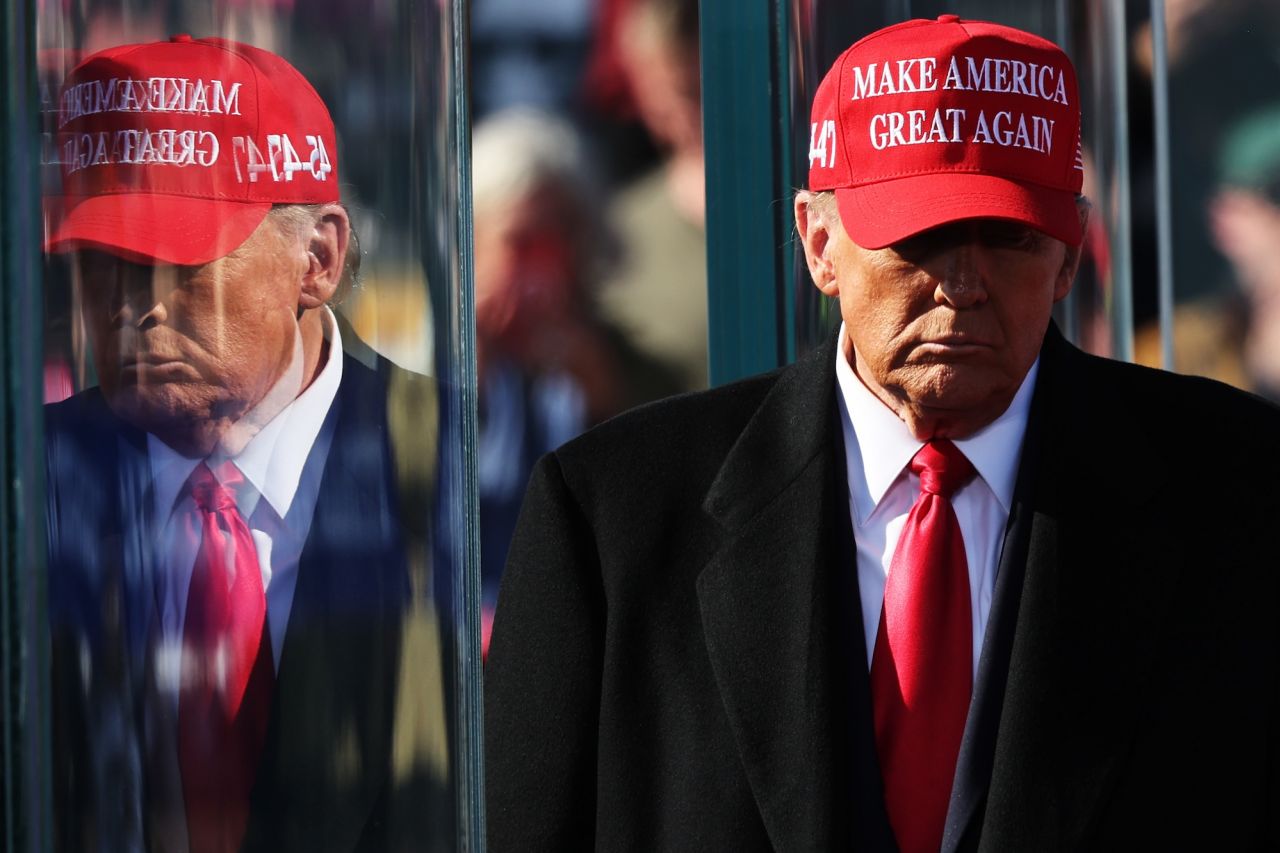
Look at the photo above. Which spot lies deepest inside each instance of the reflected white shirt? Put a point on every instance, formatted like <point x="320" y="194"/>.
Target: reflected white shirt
<point x="274" y="490"/>
<point x="882" y="489"/>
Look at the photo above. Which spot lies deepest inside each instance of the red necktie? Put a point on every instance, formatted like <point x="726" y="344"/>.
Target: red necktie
<point x="227" y="672"/>
<point x="922" y="667"/>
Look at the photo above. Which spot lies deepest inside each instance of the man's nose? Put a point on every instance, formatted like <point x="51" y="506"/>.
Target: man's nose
<point x="141" y="299"/>
<point x="962" y="283"/>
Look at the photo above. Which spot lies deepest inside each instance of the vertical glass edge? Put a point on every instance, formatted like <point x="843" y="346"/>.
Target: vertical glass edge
<point x="25" y="726"/>
<point x="1122" y="279"/>
<point x="784" y="281"/>
<point x="740" y="137"/>
<point x="717" y="333"/>
<point x="1164" y="194"/>
<point x="470" y="676"/>
<point x="1067" y="311"/>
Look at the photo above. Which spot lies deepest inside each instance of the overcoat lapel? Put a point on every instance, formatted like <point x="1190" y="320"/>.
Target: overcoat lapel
<point x="99" y="506"/>
<point x="328" y="740"/>
<point x="1088" y="622"/>
<point x="101" y="609"/>
<point x="977" y="749"/>
<point x="763" y="603"/>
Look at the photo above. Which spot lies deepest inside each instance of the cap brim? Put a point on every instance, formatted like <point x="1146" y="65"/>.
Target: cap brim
<point x="160" y="228"/>
<point x="880" y="214"/>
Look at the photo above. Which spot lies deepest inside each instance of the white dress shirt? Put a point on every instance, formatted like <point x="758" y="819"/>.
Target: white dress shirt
<point x="882" y="489"/>
<point x="276" y="500"/>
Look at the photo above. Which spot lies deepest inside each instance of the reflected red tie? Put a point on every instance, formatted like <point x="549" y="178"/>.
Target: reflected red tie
<point x="921" y="670"/>
<point x="227" y="671"/>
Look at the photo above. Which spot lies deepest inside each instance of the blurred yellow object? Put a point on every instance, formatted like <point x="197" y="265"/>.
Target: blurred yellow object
<point x="1207" y="340"/>
<point x="391" y="311"/>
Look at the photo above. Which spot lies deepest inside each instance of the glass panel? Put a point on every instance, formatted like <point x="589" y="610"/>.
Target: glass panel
<point x="1104" y="298"/>
<point x="820" y="31"/>
<point x="745" y="179"/>
<point x="1098" y="313"/>
<point x="23" y="729"/>
<point x="258" y="370"/>
<point x="1223" y="138"/>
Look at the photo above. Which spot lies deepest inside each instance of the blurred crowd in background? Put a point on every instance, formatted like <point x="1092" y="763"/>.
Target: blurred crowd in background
<point x="590" y="249"/>
<point x="1224" y="144"/>
<point x="587" y="168"/>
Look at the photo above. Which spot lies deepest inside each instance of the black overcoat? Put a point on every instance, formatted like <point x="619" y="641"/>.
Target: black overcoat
<point x="677" y="660"/>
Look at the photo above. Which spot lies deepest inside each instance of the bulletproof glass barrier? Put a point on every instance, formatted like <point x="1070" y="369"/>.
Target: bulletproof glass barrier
<point x="252" y="620"/>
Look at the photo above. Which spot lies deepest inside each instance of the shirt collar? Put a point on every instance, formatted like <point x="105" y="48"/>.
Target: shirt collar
<point x="169" y="471"/>
<point x="273" y="459"/>
<point x="881" y="444"/>
<point x="996" y="448"/>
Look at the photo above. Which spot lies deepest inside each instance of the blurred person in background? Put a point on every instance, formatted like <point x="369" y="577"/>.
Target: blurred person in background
<point x="1244" y="217"/>
<point x="549" y="365"/>
<point x="658" y="293"/>
<point x="1231" y="332"/>
<point x="528" y="54"/>
<point x="1223" y="65"/>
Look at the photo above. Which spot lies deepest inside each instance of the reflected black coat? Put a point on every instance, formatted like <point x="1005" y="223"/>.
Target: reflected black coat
<point x="348" y="763"/>
<point x="677" y="660"/>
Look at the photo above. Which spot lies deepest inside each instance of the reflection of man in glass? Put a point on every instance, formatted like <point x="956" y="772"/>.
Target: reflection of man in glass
<point x="228" y="559"/>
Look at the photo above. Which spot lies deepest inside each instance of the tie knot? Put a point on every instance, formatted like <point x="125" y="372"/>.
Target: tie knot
<point x="215" y="492"/>
<point x="941" y="467"/>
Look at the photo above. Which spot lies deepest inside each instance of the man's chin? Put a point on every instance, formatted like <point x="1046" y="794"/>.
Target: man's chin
<point x="177" y="419"/>
<point x="950" y="389"/>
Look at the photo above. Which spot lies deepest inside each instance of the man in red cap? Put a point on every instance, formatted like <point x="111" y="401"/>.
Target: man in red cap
<point x="946" y="583"/>
<point x="229" y="516"/>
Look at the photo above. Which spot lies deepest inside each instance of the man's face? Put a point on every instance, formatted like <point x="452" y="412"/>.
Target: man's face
<point x="946" y="324"/>
<point x="183" y="352"/>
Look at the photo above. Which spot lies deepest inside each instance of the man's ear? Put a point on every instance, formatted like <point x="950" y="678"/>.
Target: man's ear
<point x="1071" y="259"/>
<point x="816" y="236"/>
<point x="326" y="255"/>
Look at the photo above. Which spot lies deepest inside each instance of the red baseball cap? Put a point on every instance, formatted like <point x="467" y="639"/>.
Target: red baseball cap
<point x="927" y="122"/>
<point x="175" y="151"/>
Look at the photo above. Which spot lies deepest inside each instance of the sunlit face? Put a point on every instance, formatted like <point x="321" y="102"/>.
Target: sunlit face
<point x="946" y="324"/>
<point x="183" y="352"/>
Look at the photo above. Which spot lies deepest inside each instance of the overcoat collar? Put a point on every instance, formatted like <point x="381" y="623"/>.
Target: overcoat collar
<point x="763" y="602"/>
<point x="1098" y="571"/>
